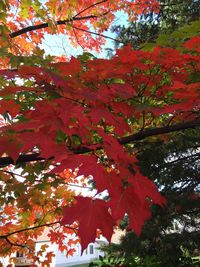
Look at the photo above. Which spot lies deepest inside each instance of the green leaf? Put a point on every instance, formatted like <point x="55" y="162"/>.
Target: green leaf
<point x="25" y="5"/>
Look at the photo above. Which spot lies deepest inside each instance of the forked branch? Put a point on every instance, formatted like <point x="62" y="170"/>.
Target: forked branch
<point x="5" y="161"/>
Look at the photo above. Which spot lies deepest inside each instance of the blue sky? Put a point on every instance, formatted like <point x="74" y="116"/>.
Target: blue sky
<point x="59" y="44"/>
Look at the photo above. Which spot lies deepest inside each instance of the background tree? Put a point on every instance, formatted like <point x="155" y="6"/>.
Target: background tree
<point x="171" y="237"/>
<point x="171" y="16"/>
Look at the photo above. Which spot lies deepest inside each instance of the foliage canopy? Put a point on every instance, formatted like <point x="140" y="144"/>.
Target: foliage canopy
<point x="77" y="123"/>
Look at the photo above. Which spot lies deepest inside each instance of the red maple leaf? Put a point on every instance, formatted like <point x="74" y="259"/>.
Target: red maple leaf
<point x="87" y="166"/>
<point x="128" y="202"/>
<point x="133" y="197"/>
<point x="10" y="146"/>
<point x="92" y="214"/>
<point x="193" y="44"/>
<point x="9" y="106"/>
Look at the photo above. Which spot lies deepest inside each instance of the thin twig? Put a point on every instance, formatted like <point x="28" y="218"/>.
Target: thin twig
<point x="13" y="174"/>
<point x="77" y="38"/>
<point x="98" y="34"/>
<point x="95" y="4"/>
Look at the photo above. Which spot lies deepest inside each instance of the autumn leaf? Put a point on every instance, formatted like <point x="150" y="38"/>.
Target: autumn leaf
<point x="92" y="214"/>
<point x="89" y="116"/>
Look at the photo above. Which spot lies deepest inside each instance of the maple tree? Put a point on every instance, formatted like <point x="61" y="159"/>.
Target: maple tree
<point x="74" y="123"/>
<point x="25" y="23"/>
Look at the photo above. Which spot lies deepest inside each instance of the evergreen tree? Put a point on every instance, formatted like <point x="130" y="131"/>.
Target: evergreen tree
<point x="172" y="237"/>
<point x="172" y="15"/>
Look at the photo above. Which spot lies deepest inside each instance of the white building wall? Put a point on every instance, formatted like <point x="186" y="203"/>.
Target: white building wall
<point x="91" y="253"/>
<point x="61" y="260"/>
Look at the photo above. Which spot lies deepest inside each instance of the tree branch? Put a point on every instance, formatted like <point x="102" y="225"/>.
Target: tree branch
<point x="63" y="22"/>
<point x="185" y="158"/>
<point x="5" y="161"/>
<point x="33" y="228"/>
<point x="92" y="5"/>
<point x="46" y="25"/>
<point x="157" y="131"/>
<point x="98" y="34"/>
<point x="13" y="244"/>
